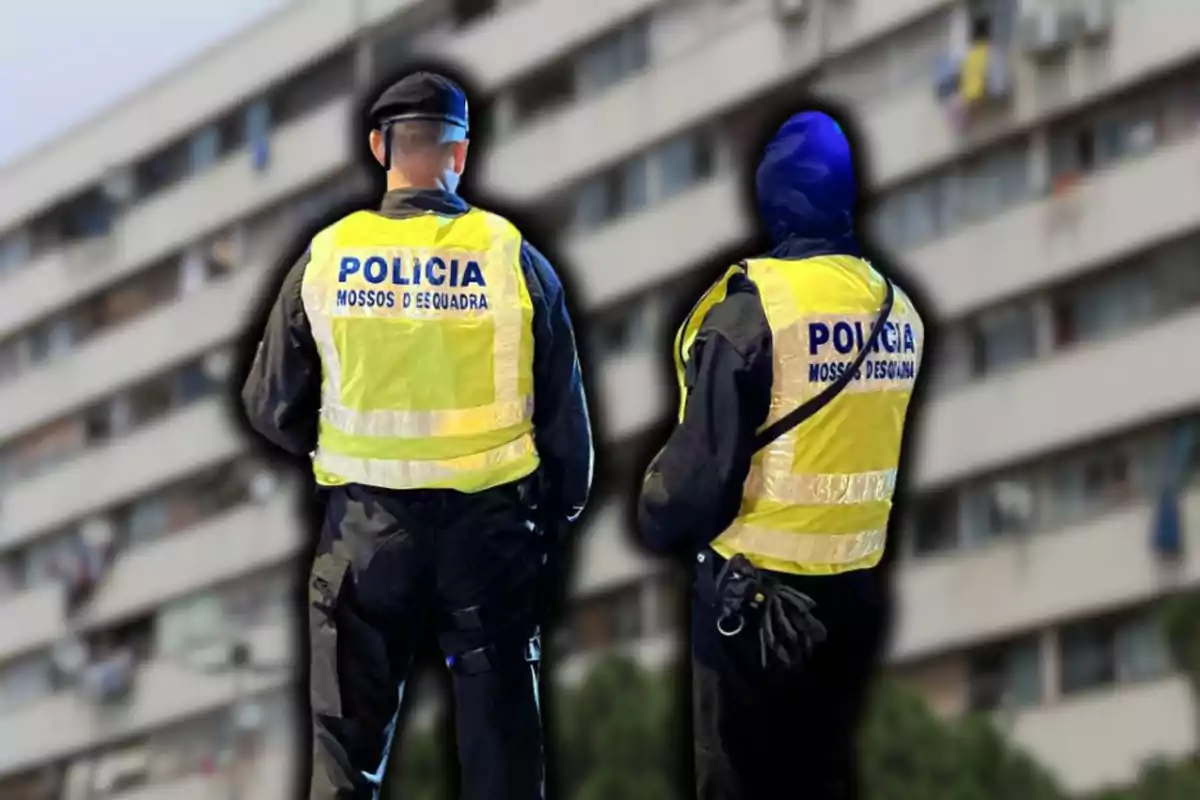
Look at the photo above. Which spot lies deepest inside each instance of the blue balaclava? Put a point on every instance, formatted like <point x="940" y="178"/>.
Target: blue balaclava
<point x="806" y="185"/>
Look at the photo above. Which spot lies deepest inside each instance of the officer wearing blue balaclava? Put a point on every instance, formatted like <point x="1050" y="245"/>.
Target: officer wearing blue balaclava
<point x="795" y="372"/>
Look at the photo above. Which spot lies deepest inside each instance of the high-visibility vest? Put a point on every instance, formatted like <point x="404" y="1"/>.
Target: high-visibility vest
<point x="425" y="335"/>
<point x="817" y="499"/>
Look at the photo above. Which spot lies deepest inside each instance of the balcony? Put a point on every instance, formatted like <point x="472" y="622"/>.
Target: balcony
<point x="140" y="348"/>
<point x="165" y="692"/>
<point x="1056" y="402"/>
<point x="199" y="436"/>
<point x="1048" y="404"/>
<point x="238" y="542"/>
<point x="186" y="99"/>
<point x="1103" y="739"/>
<point x="636" y="252"/>
<point x="302" y="152"/>
<point x="910" y="132"/>
<point x="946" y="602"/>
<point x="488" y="50"/>
<point x="263" y="778"/>
<point x="1132" y="205"/>
<point x="672" y="95"/>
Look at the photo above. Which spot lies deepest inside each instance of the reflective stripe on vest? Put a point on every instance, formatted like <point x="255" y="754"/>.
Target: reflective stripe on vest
<point x="818" y="498"/>
<point x="415" y="312"/>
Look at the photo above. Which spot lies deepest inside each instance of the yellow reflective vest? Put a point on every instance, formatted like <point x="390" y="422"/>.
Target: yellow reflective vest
<point x="817" y="499"/>
<point x="424" y="330"/>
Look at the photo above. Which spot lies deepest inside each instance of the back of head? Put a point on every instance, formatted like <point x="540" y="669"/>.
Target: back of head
<point x="805" y="182"/>
<point x="420" y="126"/>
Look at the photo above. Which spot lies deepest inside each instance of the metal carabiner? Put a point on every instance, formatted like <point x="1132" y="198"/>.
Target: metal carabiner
<point x="741" y="623"/>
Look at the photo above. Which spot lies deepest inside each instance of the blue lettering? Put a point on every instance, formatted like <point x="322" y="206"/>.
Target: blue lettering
<point x="454" y="272"/>
<point x="473" y="275"/>
<point x="350" y="265"/>
<point x="341" y="297"/>
<point x="843" y="337"/>
<point x="889" y="337"/>
<point x="435" y="271"/>
<point x="407" y="301"/>
<point x="398" y="272"/>
<point x="375" y="269"/>
<point x="416" y="272"/>
<point x="818" y="334"/>
<point x="909" y="343"/>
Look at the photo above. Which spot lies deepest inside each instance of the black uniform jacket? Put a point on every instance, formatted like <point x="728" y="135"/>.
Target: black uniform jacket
<point x="282" y="393"/>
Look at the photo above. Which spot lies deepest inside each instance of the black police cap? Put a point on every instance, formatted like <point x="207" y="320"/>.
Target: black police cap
<point x="422" y="95"/>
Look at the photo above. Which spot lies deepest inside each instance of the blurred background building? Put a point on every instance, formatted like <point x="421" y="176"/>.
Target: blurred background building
<point x="1038" y="170"/>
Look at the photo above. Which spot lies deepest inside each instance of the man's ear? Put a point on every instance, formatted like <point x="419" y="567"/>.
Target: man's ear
<point x="376" y="142"/>
<point x="460" y="155"/>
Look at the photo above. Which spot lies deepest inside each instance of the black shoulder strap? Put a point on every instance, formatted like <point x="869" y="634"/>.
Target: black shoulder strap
<point x="688" y="319"/>
<point x="808" y="409"/>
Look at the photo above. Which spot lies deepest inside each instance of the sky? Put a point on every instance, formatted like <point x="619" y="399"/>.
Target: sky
<point x="63" y="61"/>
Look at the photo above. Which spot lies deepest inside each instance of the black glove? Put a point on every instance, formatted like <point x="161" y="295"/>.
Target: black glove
<point x="787" y="628"/>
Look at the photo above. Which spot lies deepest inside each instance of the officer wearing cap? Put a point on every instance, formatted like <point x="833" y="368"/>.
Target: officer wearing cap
<point x="421" y="355"/>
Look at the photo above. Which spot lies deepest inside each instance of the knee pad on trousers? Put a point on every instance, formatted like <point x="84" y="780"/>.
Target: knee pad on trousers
<point x="487" y="657"/>
<point x="490" y="656"/>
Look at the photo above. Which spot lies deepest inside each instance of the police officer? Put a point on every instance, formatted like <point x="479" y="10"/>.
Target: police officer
<point x="795" y="373"/>
<point x="423" y="356"/>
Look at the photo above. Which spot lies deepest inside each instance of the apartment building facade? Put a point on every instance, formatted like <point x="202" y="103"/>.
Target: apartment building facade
<point x="1052" y="217"/>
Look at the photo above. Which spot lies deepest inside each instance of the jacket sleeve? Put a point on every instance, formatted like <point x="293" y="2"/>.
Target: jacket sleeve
<point x="693" y="488"/>
<point x="562" y="428"/>
<point x="282" y="392"/>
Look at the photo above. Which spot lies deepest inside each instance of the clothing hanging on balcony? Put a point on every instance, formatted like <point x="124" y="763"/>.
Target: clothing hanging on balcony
<point x="1166" y="530"/>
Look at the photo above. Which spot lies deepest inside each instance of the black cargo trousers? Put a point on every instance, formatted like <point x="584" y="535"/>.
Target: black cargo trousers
<point x="388" y="564"/>
<point x="775" y="732"/>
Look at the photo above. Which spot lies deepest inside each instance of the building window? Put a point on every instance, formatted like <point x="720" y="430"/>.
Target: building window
<point x="1119" y="649"/>
<point x="633" y="179"/>
<point x="329" y="79"/>
<point x="204" y="147"/>
<point x="1005" y="676"/>
<point x="630" y="326"/>
<point x="935" y="525"/>
<point x="148" y="519"/>
<point x="25" y="681"/>
<point x="684" y="161"/>
<point x="1106" y="306"/>
<point x="90" y="215"/>
<point x="15" y="250"/>
<point x="614" y="57"/>
<point x="594" y="203"/>
<point x="1072" y="155"/>
<point x="1141" y="649"/>
<point x="188" y="624"/>
<point x="918" y="213"/>
<point x="542" y="92"/>
<point x="467" y="12"/>
<point x="1088" y="656"/>
<point x="1003" y="338"/>
<point x="49" y="445"/>
<point x="163" y="169"/>
<point x="998" y="181"/>
<point x="997" y="509"/>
